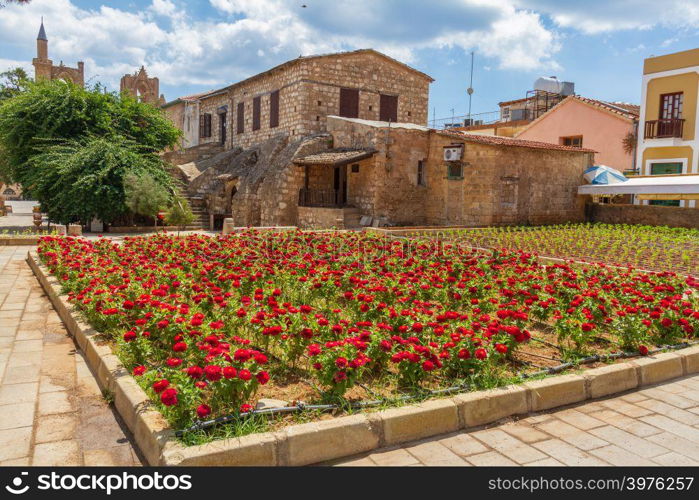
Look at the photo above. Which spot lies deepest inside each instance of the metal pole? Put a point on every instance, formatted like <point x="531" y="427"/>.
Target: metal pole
<point x="469" y="91"/>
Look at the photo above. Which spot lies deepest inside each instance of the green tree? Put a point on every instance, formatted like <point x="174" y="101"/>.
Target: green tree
<point x="179" y="214"/>
<point x="72" y="148"/>
<point x="145" y="195"/>
<point x="82" y="180"/>
<point x="60" y="111"/>
<point x="12" y="82"/>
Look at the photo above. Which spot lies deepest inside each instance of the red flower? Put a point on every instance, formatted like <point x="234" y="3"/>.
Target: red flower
<point x="428" y="366"/>
<point x="139" y="370"/>
<point x="128" y="304"/>
<point x="169" y="397"/>
<point x="501" y="348"/>
<point x="179" y="347"/>
<point x="262" y="377"/>
<point x="195" y="371"/>
<point x="244" y="375"/>
<point x="587" y="327"/>
<point x="643" y="350"/>
<point x="341" y="362"/>
<point x="229" y="372"/>
<point x="213" y="373"/>
<point x="464" y="354"/>
<point x="173" y="362"/>
<point x="129" y="336"/>
<point x="481" y="353"/>
<point x="203" y="411"/>
<point x="245" y="408"/>
<point x="666" y="322"/>
<point x="160" y="385"/>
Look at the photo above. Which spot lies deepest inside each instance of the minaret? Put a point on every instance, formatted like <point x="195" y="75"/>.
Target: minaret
<point x="42" y="63"/>
<point x="42" y="43"/>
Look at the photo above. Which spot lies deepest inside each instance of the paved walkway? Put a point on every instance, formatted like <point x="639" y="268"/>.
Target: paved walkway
<point x="51" y="410"/>
<point x="654" y="426"/>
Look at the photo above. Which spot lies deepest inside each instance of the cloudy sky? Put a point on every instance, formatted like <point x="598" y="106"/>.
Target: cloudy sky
<point x="197" y="45"/>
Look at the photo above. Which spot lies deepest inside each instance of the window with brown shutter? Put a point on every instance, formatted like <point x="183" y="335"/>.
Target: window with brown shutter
<point x="388" y="108"/>
<point x="274" y="109"/>
<point x="349" y="103"/>
<point x="240" y="118"/>
<point x="205" y="125"/>
<point x="256" y="108"/>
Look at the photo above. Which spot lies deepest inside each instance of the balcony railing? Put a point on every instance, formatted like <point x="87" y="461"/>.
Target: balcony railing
<point x="328" y="198"/>
<point x="667" y="127"/>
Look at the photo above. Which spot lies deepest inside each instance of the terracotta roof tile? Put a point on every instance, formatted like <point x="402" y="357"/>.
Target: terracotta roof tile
<point x="621" y="108"/>
<point x="494" y="140"/>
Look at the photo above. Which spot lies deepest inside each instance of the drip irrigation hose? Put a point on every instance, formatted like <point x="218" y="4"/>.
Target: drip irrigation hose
<point x="301" y="407"/>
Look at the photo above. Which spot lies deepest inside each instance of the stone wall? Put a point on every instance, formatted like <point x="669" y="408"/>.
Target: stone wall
<point x="501" y="184"/>
<point x="651" y="215"/>
<point x="320" y="218"/>
<point x="309" y="92"/>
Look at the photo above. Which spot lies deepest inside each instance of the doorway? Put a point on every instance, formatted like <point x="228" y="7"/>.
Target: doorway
<point x="340" y="185"/>
<point x="223" y="127"/>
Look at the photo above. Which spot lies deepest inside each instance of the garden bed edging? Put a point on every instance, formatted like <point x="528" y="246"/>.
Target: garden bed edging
<point x="324" y="440"/>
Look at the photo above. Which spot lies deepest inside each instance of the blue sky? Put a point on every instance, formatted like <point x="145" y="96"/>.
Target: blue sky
<point x="197" y="45"/>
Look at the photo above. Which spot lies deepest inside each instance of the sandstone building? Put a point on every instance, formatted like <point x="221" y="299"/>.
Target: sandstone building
<point x="44" y="67"/>
<point x="296" y="97"/>
<point x="142" y="87"/>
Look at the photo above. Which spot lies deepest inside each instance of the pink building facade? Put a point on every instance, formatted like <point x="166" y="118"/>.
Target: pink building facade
<point x="589" y="123"/>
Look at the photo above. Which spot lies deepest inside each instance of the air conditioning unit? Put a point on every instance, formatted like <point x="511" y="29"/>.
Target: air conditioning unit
<point x="453" y="153"/>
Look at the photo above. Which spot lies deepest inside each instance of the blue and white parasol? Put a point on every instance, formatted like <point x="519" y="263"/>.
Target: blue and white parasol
<point x="602" y="174"/>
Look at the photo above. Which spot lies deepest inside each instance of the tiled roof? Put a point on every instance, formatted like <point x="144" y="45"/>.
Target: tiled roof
<point x="621" y="108"/>
<point x="495" y="140"/>
<point x="335" y="157"/>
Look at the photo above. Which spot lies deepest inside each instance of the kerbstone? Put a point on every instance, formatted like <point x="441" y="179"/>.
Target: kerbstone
<point x="483" y="407"/>
<point x="658" y="368"/>
<point x="319" y="441"/>
<point x="611" y="379"/>
<point x="556" y="391"/>
<point x="252" y="450"/>
<point x="415" y="422"/>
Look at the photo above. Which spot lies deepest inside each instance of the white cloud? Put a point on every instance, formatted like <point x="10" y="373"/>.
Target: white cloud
<point x="597" y="16"/>
<point x="237" y="38"/>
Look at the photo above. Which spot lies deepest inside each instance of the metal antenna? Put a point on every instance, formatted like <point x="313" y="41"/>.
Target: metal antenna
<point x="469" y="91"/>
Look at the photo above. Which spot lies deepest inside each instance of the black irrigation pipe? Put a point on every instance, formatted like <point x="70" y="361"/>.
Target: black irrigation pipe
<point x="300" y="407"/>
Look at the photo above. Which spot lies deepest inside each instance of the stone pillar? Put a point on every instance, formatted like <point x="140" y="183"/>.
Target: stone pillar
<point x="228" y="225"/>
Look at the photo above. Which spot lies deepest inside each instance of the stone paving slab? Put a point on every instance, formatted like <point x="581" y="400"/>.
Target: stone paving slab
<point x="656" y="426"/>
<point x="51" y="409"/>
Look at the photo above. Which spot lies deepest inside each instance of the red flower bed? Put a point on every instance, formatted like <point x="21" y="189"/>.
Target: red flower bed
<point x="203" y="322"/>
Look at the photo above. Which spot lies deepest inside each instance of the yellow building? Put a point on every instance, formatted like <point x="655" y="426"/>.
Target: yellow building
<point x="667" y="139"/>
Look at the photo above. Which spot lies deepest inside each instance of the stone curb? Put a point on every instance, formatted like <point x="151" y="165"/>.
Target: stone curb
<point x="20" y="241"/>
<point x="326" y="440"/>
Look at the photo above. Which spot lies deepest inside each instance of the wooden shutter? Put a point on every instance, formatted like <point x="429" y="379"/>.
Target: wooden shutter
<point x="388" y="108"/>
<point x="202" y="124"/>
<point x="256" y="108"/>
<point x="274" y="109"/>
<point x="349" y="103"/>
<point x="207" y="116"/>
<point x="240" y="119"/>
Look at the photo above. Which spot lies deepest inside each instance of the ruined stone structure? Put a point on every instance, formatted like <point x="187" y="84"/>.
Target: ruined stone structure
<point x="296" y="97"/>
<point x="144" y="88"/>
<point x="44" y="67"/>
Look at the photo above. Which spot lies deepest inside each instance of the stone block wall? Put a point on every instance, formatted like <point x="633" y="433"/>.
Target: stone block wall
<point x="651" y="215"/>
<point x="320" y="218"/>
<point x="309" y="92"/>
<point x="501" y="184"/>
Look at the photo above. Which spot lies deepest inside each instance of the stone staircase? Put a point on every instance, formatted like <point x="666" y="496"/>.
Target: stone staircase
<point x="201" y="216"/>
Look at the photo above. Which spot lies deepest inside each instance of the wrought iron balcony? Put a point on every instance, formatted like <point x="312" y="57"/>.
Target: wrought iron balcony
<point x="327" y="198"/>
<point x="667" y="127"/>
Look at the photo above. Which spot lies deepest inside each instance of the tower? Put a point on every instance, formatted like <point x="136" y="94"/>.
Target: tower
<point x="44" y="68"/>
<point x="42" y="63"/>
